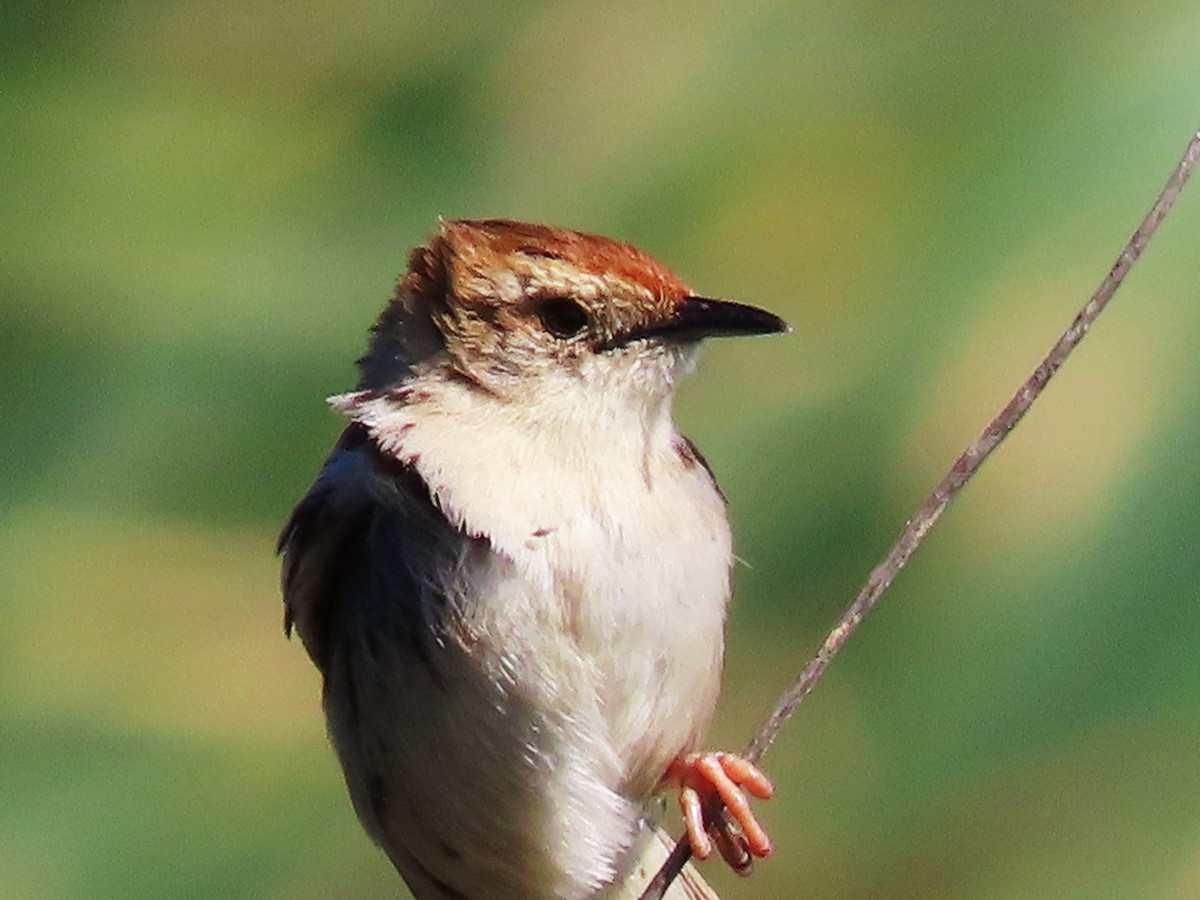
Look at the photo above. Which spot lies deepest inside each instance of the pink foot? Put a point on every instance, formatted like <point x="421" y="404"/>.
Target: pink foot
<point x="709" y="785"/>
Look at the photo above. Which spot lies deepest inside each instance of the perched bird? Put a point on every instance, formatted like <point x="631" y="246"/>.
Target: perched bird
<point x="512" y="572"/>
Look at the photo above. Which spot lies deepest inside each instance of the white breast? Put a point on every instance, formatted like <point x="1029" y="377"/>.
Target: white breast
<point x="605" y="602"/>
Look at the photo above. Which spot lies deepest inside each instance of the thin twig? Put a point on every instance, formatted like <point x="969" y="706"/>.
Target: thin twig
<point x="960" y="473"/>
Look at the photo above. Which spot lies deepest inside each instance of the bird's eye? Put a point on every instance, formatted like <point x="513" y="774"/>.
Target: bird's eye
<point x="562" y="316"/>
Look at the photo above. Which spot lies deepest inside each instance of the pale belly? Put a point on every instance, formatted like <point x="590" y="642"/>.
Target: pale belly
<point x="517" y="757"/>
<point x="516" y="761"/>
<point x="583" y="656"/>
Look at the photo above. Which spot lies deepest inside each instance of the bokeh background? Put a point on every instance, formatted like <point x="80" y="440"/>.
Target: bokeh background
<point x="203" y="206"/>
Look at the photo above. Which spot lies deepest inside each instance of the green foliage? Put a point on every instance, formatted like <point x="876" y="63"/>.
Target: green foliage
<point x="203" y="206"/>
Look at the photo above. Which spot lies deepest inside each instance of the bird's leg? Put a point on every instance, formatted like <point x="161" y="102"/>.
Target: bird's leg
<point x="712" y="798"/>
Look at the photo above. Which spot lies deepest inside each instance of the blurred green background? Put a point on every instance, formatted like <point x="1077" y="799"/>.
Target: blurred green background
<point x="204" y="205"/>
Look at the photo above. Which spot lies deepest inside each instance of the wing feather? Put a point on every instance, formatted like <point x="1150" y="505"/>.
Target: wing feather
<point x="366" y="546"/>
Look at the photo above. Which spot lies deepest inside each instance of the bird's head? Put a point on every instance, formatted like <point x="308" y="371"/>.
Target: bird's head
<point x="521" y="310"/>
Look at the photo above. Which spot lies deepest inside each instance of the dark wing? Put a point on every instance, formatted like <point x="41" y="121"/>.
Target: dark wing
<point x="690" y="455"/>
<point x="372" y="571"/>
<point x="367" y="556"/>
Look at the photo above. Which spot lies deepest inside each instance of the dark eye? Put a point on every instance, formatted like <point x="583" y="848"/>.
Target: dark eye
<point x="562" y="316"/>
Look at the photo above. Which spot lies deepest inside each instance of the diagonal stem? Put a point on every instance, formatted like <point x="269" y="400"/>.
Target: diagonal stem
<point x="960" y="473"/>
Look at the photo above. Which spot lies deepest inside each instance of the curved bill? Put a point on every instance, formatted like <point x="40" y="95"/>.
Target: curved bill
<point x="695" y="318"/>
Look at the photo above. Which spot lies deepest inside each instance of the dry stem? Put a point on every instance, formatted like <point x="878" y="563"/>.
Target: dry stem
<point x="960" y="473"/>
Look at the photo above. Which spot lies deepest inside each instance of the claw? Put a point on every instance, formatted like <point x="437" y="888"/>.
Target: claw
<point x="712" y="799"/>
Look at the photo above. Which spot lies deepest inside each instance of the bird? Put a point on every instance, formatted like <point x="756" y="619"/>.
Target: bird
<point x="512" y="572"/>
